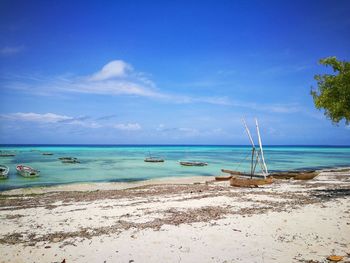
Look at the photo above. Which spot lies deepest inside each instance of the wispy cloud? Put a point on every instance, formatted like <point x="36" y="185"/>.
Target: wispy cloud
<point x="127" y="126"/>
<point x="36" y="117"/>
<point x="61" y="120"/>
<point x="10" y="50"/>
<point x="118" y="78"/>
<point x="50" y="118"/>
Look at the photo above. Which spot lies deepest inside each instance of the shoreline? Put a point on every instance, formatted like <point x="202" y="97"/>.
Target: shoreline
<point x="100" y="186"/>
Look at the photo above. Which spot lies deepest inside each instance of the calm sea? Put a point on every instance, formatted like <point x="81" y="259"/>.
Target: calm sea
<point x="126" y="163"/>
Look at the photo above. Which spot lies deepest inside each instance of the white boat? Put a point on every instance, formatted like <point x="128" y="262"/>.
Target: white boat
<point x="4" y="170"/>
<point x="27" y="171"/>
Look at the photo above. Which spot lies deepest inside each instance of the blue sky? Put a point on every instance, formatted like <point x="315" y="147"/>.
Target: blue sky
<point x="167" y="72"/>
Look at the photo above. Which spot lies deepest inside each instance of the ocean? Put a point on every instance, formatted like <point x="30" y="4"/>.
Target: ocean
<point x="110" y="163"/>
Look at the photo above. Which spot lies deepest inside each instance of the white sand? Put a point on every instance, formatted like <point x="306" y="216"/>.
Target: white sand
<point x="294" y="233"/>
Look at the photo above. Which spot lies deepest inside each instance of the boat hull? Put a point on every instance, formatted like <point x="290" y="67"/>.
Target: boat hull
<point x="302" y="175"/>
<point x="4" y="170"/>
<point x="223" y="178"/>
<point x="148" y="160"/>
<point x="27" y="171"/>
<point x="193" y="164"/>
<point x="246" y="182"/>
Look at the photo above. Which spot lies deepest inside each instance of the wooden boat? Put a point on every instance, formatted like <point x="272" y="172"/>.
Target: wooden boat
<point x="47" y="153"/>
<point x="27" y="171"/>
<point x="69" y="160"/>
<point x="193" y="163"/>
<point x="4" y="170"/>
<point x="305" y="176"/>
<point x="249" y="182"/>
<point x="239" y="179"/>
<point x="6" y="154"/>
<point x="153" y="160"/>
<point x="223" y="177"/>
<point x="296" y="175"/>
<point x="231" y="172"/>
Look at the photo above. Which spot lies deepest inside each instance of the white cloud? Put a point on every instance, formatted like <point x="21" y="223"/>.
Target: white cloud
<point x="113" y="69"/>
<point x="7" y="51"/>
<point x="50" y="118"/>
<point x="36" y="117"/>
<point x="128" y="126"/>
<point x="115" y="78"/>
<point x="118" y="78"/>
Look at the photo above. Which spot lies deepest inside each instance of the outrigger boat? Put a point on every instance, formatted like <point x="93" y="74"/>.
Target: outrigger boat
<point x="6" y="154"/>
<point x="4" y="170"/>
<point x="241" y="179"/>
<point x="296" y="175"/>
<point x="69" y="160"/>
<point x="27" y="171"/>
<point x="153" y="159"/>
<point x="192" y="163"/>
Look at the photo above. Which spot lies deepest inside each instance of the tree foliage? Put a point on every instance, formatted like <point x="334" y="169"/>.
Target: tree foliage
<point x="333" y="91"/>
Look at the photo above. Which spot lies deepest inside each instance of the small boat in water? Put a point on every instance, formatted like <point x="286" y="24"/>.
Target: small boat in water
<point x="4" y="170"/>
<point x="192" y="163"/>
<point x="69" y="160"/>
<point x="27" y="171"/>
<point x="6" y="154"/>
<point x="47" y="153"/>
<point x="154" y="160"/>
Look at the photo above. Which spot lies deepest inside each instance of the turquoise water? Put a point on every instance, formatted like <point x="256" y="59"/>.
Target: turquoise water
<point x="125" y="163"/>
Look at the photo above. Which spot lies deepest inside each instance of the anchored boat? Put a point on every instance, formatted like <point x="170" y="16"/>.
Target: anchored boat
<point x="6" y="154"/>
<point x="27" y="171"/>
<point x="4" y="170"/>
<point x="69" y="160"/>
<point x="153" y="159"/>
<point x="192" y="163"/>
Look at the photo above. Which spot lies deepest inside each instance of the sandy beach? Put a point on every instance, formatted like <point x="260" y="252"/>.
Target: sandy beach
<point x="178" y="220"/>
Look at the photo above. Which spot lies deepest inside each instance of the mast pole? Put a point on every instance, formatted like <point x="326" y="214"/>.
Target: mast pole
<point x="253" y="147"/>
<point x="248" y="132"/>
<point x="261" y="149"/>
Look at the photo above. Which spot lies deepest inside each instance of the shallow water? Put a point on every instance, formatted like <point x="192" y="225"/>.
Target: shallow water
<point x="126" y="163"/>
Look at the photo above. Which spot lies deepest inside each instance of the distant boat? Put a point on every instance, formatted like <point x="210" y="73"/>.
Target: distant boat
<point x="192" y="163"/>
<point x="4" y="170"/>
<point x="6" y="154"/>
<point x="153" y="159"/>
<point x="47" y="153"/>
<point x="69" y="160"/>
<point x="27" y="171"/>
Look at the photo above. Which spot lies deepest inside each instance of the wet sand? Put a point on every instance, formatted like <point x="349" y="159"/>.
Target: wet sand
<point x="178" y="221"/>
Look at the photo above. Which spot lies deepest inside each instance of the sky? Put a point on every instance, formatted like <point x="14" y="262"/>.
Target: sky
<point x="167" y="72"/>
